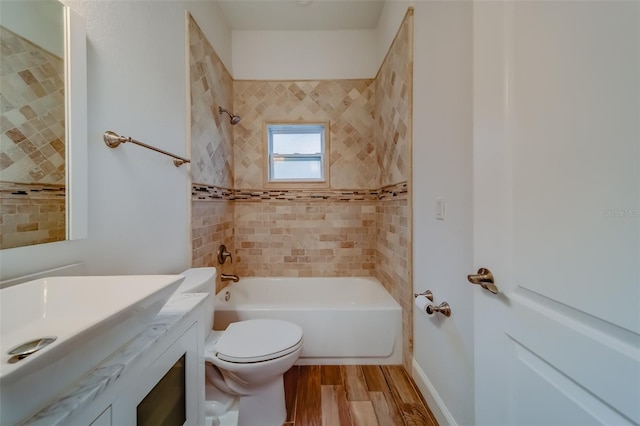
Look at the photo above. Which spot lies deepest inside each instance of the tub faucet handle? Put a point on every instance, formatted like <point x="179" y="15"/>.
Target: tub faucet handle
<point x="223" y="254"/>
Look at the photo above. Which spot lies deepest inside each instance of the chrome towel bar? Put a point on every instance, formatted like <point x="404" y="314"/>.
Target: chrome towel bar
<point x="113" y="140"/>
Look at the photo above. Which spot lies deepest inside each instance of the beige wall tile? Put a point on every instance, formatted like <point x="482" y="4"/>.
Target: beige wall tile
<point x="393" y="263"/>
<point x="34" y="219"/>
<point x="347" y="104"/>
<point x="32" y="113"/>
<point x="211" y="133"/>
<point x="211" y="226"/>
<point x="211" y="152"/>
<point x="394" y="86"/>
<point x="289" y="238"/>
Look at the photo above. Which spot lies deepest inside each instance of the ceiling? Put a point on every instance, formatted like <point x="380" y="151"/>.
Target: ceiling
<point x="301" y="14"/>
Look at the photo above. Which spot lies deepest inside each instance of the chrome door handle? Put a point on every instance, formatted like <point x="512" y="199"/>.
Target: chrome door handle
<point x="484" y="278"/>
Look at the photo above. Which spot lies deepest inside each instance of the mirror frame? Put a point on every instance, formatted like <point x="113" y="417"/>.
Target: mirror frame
<point x="76" y="124"/>
<point x="29" y="259"/>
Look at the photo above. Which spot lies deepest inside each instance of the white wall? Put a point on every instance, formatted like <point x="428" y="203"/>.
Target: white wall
<point x="213" y="24"/>
<point x="138" y="201"/>
<point x="304" y="55"/>
<point x="393" y="12"/>
<point x="442" y="165"/>
<point x="40" y="22"/>
<point x="137" y="86"/>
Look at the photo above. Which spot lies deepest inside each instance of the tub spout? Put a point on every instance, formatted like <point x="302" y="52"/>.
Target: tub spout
<point x="229" y="277"/>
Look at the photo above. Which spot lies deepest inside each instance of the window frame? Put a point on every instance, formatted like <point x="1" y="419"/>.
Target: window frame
<point x="324" y="156"/>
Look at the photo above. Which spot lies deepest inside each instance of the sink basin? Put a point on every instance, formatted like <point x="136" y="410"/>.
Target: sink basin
<point x="89" y="317"/>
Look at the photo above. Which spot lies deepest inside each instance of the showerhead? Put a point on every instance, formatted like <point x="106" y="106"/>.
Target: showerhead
<point x="233" y="119"/>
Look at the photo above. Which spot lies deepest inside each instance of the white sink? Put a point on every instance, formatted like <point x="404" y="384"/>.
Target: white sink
<point x="90" y="317"/>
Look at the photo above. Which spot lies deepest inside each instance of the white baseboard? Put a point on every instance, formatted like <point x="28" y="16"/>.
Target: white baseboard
<point x="437" y="406"/>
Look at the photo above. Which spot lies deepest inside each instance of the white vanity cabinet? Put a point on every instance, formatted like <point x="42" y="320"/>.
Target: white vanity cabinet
<point x="167" y="391"/>
<point x="156" y="378"/>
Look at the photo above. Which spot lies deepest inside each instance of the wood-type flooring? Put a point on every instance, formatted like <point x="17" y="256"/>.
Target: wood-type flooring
<point x="354" y="395"/>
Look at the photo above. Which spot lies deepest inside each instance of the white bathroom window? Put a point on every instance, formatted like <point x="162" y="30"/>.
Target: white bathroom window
<point x="296" y="153"/>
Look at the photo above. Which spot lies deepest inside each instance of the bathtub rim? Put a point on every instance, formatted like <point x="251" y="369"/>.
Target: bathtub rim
<point x="390" y="304"/>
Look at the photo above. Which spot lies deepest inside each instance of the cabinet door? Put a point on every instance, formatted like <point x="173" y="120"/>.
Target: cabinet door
<point x="168" y="388"/>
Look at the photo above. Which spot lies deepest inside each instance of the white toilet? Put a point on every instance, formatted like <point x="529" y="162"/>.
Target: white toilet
<point x="245" y="361"/>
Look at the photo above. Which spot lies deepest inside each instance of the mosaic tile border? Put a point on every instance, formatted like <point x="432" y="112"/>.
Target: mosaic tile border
<point x="31" y="190"/>
<point x="212" y="192"/>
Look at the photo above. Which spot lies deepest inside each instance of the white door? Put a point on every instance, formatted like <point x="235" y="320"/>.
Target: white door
<point x="557" y="212"/>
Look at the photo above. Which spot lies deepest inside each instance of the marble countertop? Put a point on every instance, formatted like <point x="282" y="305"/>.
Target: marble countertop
<point x="98" y="380"/>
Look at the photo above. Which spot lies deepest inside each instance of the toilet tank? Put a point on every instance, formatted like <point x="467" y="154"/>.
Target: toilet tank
<point x="201" y="280"/>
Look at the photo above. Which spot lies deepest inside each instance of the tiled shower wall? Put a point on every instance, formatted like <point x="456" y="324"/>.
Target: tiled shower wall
<point x="393" y="263"/>
<point x="394" y="88"/>
<point x="305" y="238"/>
<point x="211" y="225"/>
<point x="348" y="105"/>
<point x="326" y="238"/>
<point x="394" y="85"/>
<point x="351" y="228"/>
<point x="211" y="151"/>
<point x="211" y="133"/>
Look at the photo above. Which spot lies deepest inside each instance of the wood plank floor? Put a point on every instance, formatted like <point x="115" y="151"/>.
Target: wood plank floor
<point x="354" y="395"/>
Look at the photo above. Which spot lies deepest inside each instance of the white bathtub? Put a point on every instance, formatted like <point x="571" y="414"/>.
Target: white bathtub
<point x="350" y="320"/>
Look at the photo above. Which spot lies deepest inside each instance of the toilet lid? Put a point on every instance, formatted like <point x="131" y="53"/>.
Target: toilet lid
<point x="258" y="340"/>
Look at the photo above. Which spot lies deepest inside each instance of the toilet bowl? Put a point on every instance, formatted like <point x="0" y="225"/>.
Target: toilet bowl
<point x="246" y="361"/>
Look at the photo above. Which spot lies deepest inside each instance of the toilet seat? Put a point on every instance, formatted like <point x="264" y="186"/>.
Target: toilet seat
<point x="258" y="340"/>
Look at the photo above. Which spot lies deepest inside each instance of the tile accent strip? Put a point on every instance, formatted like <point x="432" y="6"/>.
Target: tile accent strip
<point x="31" y="190"/>
<point x="31" y="214"/>
<point x="212" y="192"/>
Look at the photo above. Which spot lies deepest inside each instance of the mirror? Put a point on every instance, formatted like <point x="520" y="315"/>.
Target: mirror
<point x="43" y="123"/>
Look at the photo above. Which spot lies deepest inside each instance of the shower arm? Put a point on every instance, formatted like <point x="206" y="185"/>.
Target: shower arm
<point x="233" y="119"/>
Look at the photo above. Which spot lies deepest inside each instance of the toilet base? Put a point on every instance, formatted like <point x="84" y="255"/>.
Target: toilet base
<point x="265" y="407"/>
<point x="230" y="418"/>
<point x="217" y="402"/>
